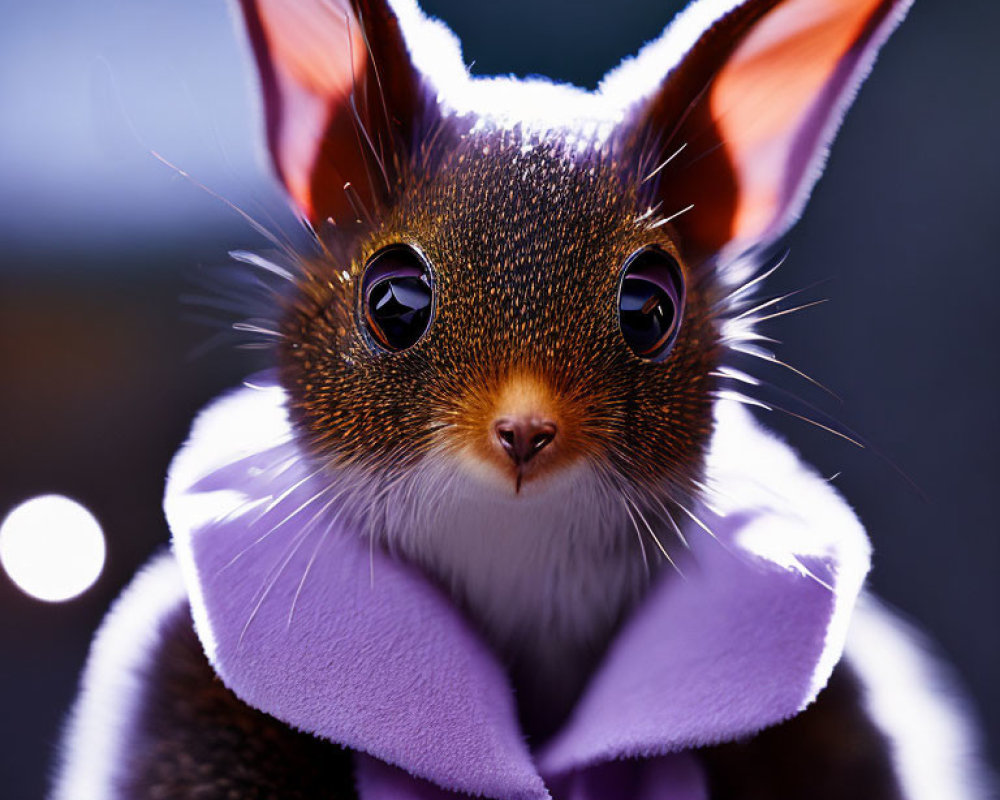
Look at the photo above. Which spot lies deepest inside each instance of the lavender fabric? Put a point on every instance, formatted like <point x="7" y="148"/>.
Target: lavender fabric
<point x="303" y="619"/>
<point x="673" y="777"/>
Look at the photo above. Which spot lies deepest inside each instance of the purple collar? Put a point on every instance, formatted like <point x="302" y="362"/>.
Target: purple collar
<point x="303" y="620"/>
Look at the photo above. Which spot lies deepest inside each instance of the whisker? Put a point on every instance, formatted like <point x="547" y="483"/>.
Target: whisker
<point x="309" y="565"/>
<point x="768" y="303"/>
<point x="671" y="218"/>
<point x="730" y="373"/>
<point x="771" y="358"/>
<point x="242" y="509"/>
<point x="821" y="426"/>
<point x="249" y="327"/>
<point x="746" y="333"/>
<point x="638" y="534"/>
<point x="257" y="226"/>
<point x="297" y="543"/>
<point x="649" y="212"/>
<point x="268" y="533"/>
<point x="664" y="163"/>
<point x="257" y="260"/>
<point x="728" y="394"/>
<point x="272" y="582"/>
<point x="787" y="311"/>
<point x="361" y="212"/>
<point x="672" y="521"/>
<point x="612" y="491"/>
<point x="368" y="140"/>
<point x="375" y="70"/>
<point x="697" y="521"/>
<point x="745" y="287"/>
<point x="655" y="538"/>
<point x="810" y="574"/>
<point x="359" y="126"/>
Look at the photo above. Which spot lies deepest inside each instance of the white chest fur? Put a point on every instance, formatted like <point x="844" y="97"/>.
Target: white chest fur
<point x="544" y="574"/>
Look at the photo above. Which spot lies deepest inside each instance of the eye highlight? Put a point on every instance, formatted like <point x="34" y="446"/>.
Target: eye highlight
<point x="397" y="297"/>
<point x="651" y="303"/>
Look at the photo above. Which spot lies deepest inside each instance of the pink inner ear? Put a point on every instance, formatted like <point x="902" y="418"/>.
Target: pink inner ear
<point x="763" y="96"/>
<point x="297" y="145"/>
<point x="317" y="55"/>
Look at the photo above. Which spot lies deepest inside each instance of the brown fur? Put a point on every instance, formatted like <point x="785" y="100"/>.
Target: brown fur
<point x="831" y="751"/>
<point x="526" y="246"/>
<point x="194" y="739"/>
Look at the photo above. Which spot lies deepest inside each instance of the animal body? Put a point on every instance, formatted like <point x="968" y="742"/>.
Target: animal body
<point x="503" y="431"/>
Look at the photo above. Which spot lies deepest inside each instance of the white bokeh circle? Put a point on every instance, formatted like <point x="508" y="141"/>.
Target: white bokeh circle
<point x="52" y="547"/>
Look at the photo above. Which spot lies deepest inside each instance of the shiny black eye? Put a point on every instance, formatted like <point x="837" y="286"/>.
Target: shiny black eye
<point x="651" y="303"/>
<point x="397" y="297"/>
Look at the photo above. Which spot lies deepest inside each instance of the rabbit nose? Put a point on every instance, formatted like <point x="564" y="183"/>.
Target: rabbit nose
<point x="523" y="438"/>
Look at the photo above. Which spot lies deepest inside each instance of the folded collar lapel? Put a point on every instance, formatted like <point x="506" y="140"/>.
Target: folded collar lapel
<point x="751" y="633"/>
<point x="302" y="619"/>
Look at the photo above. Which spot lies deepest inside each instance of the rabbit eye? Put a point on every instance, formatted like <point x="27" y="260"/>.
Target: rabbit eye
<point x="650" y="303"/>
<point x="397" y="297"/>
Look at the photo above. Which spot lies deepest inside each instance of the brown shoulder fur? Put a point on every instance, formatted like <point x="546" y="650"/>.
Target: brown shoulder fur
<point x="831" y="751"/>
<point x="196" y="739"/>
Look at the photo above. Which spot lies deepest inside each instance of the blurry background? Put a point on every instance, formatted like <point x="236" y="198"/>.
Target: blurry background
<point x="101" y="371"/>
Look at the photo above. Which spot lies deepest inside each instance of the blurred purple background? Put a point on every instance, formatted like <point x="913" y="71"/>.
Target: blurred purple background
<point x="102" y="370"/>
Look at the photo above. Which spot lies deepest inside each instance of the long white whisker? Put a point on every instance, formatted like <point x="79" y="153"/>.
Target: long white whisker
<point x="787" y="311"/>
<point x="757" y="279"/>
<point x="312" y="559"/>
<point x="729" y="394"/>
<point x="277" y="500"/>
<point x="272" y="581"/>
<point x="697" y="521"/>
<point x="612" y="491"/>
<point x="671" y="218"/>
<point x="269" y="532"/>
<point x="771" y="358"/>
<point x="250" y="327"/>
<point x="257" y="226"/>
<point x="297" y="542"/>
<point x="256" y="260"/>
<point x="635" y="526"/>
<point x="672" y="521"/>
<point x="767" y="304"/>
<point x="664" y="163"/>
<point x="656" y="539"/>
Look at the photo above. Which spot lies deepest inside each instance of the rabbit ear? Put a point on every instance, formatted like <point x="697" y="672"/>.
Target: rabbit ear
<point x="341" y="99"/>
<point x="754" y="103"/>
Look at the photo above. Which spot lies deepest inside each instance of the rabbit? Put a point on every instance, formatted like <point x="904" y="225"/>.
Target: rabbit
<point x="498" y="522"/>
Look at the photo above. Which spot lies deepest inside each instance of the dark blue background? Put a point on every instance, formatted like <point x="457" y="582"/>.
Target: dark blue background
<point x="98" y="241"/>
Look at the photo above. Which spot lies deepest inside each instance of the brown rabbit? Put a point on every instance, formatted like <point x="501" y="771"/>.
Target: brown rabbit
<point x="499" y="525"/>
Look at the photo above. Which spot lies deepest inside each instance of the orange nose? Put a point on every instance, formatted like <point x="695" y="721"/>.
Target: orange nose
<point x="523" y="438"/>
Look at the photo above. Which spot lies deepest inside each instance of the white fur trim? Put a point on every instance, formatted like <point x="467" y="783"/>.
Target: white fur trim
<point x="99" y="731"/>
<point x="912" y="699"/>
<point x="538" y="105"/>
<point x="243" y="423"/>
<point x="640" y="76"/>
<point x="750" y="468"/>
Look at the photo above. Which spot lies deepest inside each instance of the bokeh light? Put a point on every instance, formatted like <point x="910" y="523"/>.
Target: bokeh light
<point x="52" y="547"/>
